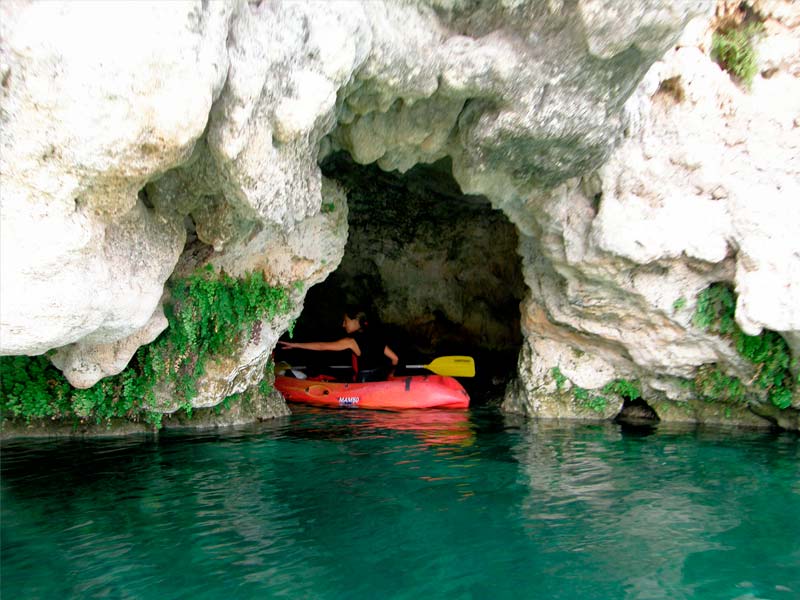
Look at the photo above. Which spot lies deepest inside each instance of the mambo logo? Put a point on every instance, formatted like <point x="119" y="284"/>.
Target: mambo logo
<point x="348" y="400"/>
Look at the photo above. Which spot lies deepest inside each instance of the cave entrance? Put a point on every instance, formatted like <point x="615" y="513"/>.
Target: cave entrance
<point x="438" y="268"/>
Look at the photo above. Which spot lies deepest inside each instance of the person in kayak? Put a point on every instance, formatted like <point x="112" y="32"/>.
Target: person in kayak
<point x="369" y="349"/>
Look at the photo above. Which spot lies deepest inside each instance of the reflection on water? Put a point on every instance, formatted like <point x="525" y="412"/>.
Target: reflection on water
<point x="363" y="504"/>
<point x="430" y="427"/>
<point x="585" y="499"/>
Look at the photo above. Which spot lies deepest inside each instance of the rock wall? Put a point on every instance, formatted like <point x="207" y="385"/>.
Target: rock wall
<point x="701" y="190"/>
<point x="194" y="138"/>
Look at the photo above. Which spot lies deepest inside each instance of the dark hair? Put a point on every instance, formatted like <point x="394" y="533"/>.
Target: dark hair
<point x="355" y="311"/>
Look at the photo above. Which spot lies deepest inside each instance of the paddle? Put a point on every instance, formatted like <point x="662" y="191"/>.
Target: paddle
<point x="453" y="366"/>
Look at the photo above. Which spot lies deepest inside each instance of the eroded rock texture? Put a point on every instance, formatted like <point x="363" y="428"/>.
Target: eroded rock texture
<point x="634" y="179"/>
<point x="700" y="191"/>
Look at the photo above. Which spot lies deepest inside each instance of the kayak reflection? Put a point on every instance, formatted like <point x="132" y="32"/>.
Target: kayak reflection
<point x="433" y="427"/>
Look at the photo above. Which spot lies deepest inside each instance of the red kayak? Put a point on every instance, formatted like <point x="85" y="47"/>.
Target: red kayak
<point x="396" y="393"/>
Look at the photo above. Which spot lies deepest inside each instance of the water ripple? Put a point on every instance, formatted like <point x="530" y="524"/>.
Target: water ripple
<point x="356" y="504"/>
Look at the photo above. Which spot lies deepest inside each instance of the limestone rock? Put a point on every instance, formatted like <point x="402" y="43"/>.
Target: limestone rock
<point x="287" y="62"/>
<point x="521" y="91"/>
<point x="293" y="259"/>
<point x="703" y="189"/>
<point x="84" y="363"/>
<point x="96" y="99"/>
<point x="85" y="281"/>
<point x="552" y="394"/>
<point x="632" y="185"/>
<point x="304" y="255"/>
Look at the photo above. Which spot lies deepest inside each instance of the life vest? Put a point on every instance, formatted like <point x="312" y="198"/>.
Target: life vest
<point x="372" y="357"/>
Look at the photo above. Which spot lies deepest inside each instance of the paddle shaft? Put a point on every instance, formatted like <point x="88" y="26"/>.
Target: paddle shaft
<point x="456" y="366"/>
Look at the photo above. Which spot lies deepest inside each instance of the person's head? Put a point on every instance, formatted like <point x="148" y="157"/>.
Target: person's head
<point x="355" y="318"/>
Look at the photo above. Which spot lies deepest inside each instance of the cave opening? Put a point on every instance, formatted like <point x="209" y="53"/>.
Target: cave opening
<point x="438" y="270"/>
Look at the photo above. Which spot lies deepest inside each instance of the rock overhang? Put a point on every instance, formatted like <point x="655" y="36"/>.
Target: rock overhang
<point x="528" y="101"/>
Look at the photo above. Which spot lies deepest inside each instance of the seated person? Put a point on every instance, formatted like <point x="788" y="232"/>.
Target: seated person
<point x="369" y="350"/>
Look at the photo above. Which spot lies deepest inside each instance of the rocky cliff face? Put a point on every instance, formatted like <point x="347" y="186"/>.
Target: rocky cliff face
<point x="142" y="141"/>
<point x="700" y="191"/>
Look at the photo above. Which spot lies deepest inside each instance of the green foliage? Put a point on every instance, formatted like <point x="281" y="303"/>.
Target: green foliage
<point x="328" y="207"/>
<point x="226" y="403"/>
<point x="781" y="397"/>
<point x="583" y="397"/>
<point x="208" y="315"/>
<point x="623" y="387"/>
<point x="714" y="385"/>
<point x="715" y="309"/>
<point x="33" y="387"/>
<point x="679" y="304"/>
<point x="768" y="352"/>
<point x="559" y="377"/>
<point x="734" y="49"/>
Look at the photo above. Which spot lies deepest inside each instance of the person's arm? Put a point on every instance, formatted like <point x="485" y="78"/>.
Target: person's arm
<point x="391" y="356"/>
<point x="342" y="344"/>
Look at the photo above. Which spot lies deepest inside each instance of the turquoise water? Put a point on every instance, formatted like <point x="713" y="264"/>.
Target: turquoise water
<point x="358" y="504"/>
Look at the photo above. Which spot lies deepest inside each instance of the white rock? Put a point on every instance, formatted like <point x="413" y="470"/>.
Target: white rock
<point x="84" y="363"/>
<point x="96" y="100"/>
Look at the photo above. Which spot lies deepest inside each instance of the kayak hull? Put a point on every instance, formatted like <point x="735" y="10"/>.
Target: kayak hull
<point x="396" y="393"/>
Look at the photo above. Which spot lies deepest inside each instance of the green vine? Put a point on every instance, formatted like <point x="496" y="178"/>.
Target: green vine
<point x="209" y="313"/>
<point x="715" y="386"/>
<point x="768" y="352"/>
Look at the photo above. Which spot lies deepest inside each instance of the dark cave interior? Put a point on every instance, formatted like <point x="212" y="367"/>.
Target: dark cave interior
<point x="437" y="270"/>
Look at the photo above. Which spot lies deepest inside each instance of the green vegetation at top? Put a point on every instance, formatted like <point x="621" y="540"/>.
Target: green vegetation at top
<point x="208" y="315"/>
<point x="733" y="47"/>
<point x="768" y="352"/>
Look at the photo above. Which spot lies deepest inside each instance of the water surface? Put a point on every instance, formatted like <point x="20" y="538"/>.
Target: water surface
<point x="365" y="504"/>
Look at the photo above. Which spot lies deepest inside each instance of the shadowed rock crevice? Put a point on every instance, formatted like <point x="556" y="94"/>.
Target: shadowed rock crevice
<point x="637" y="413"/>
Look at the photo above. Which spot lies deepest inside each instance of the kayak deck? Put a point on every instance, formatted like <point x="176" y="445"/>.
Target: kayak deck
<point x="396" y="393"/>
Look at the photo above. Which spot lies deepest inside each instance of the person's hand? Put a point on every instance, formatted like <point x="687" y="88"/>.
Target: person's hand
<point x="287" y="345"/>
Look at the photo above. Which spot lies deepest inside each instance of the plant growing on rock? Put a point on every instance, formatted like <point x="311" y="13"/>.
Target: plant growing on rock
<point x="559" y="378"/>
<point x="768" y="352"/>
<point x="733" y="47"/>
<point x="584" y="398"/>
<point x="621" y="387"/>
<point x="208" y="316"/>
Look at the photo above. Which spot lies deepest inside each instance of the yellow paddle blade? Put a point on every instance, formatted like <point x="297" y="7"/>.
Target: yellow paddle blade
<point x="454" y="366"/>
